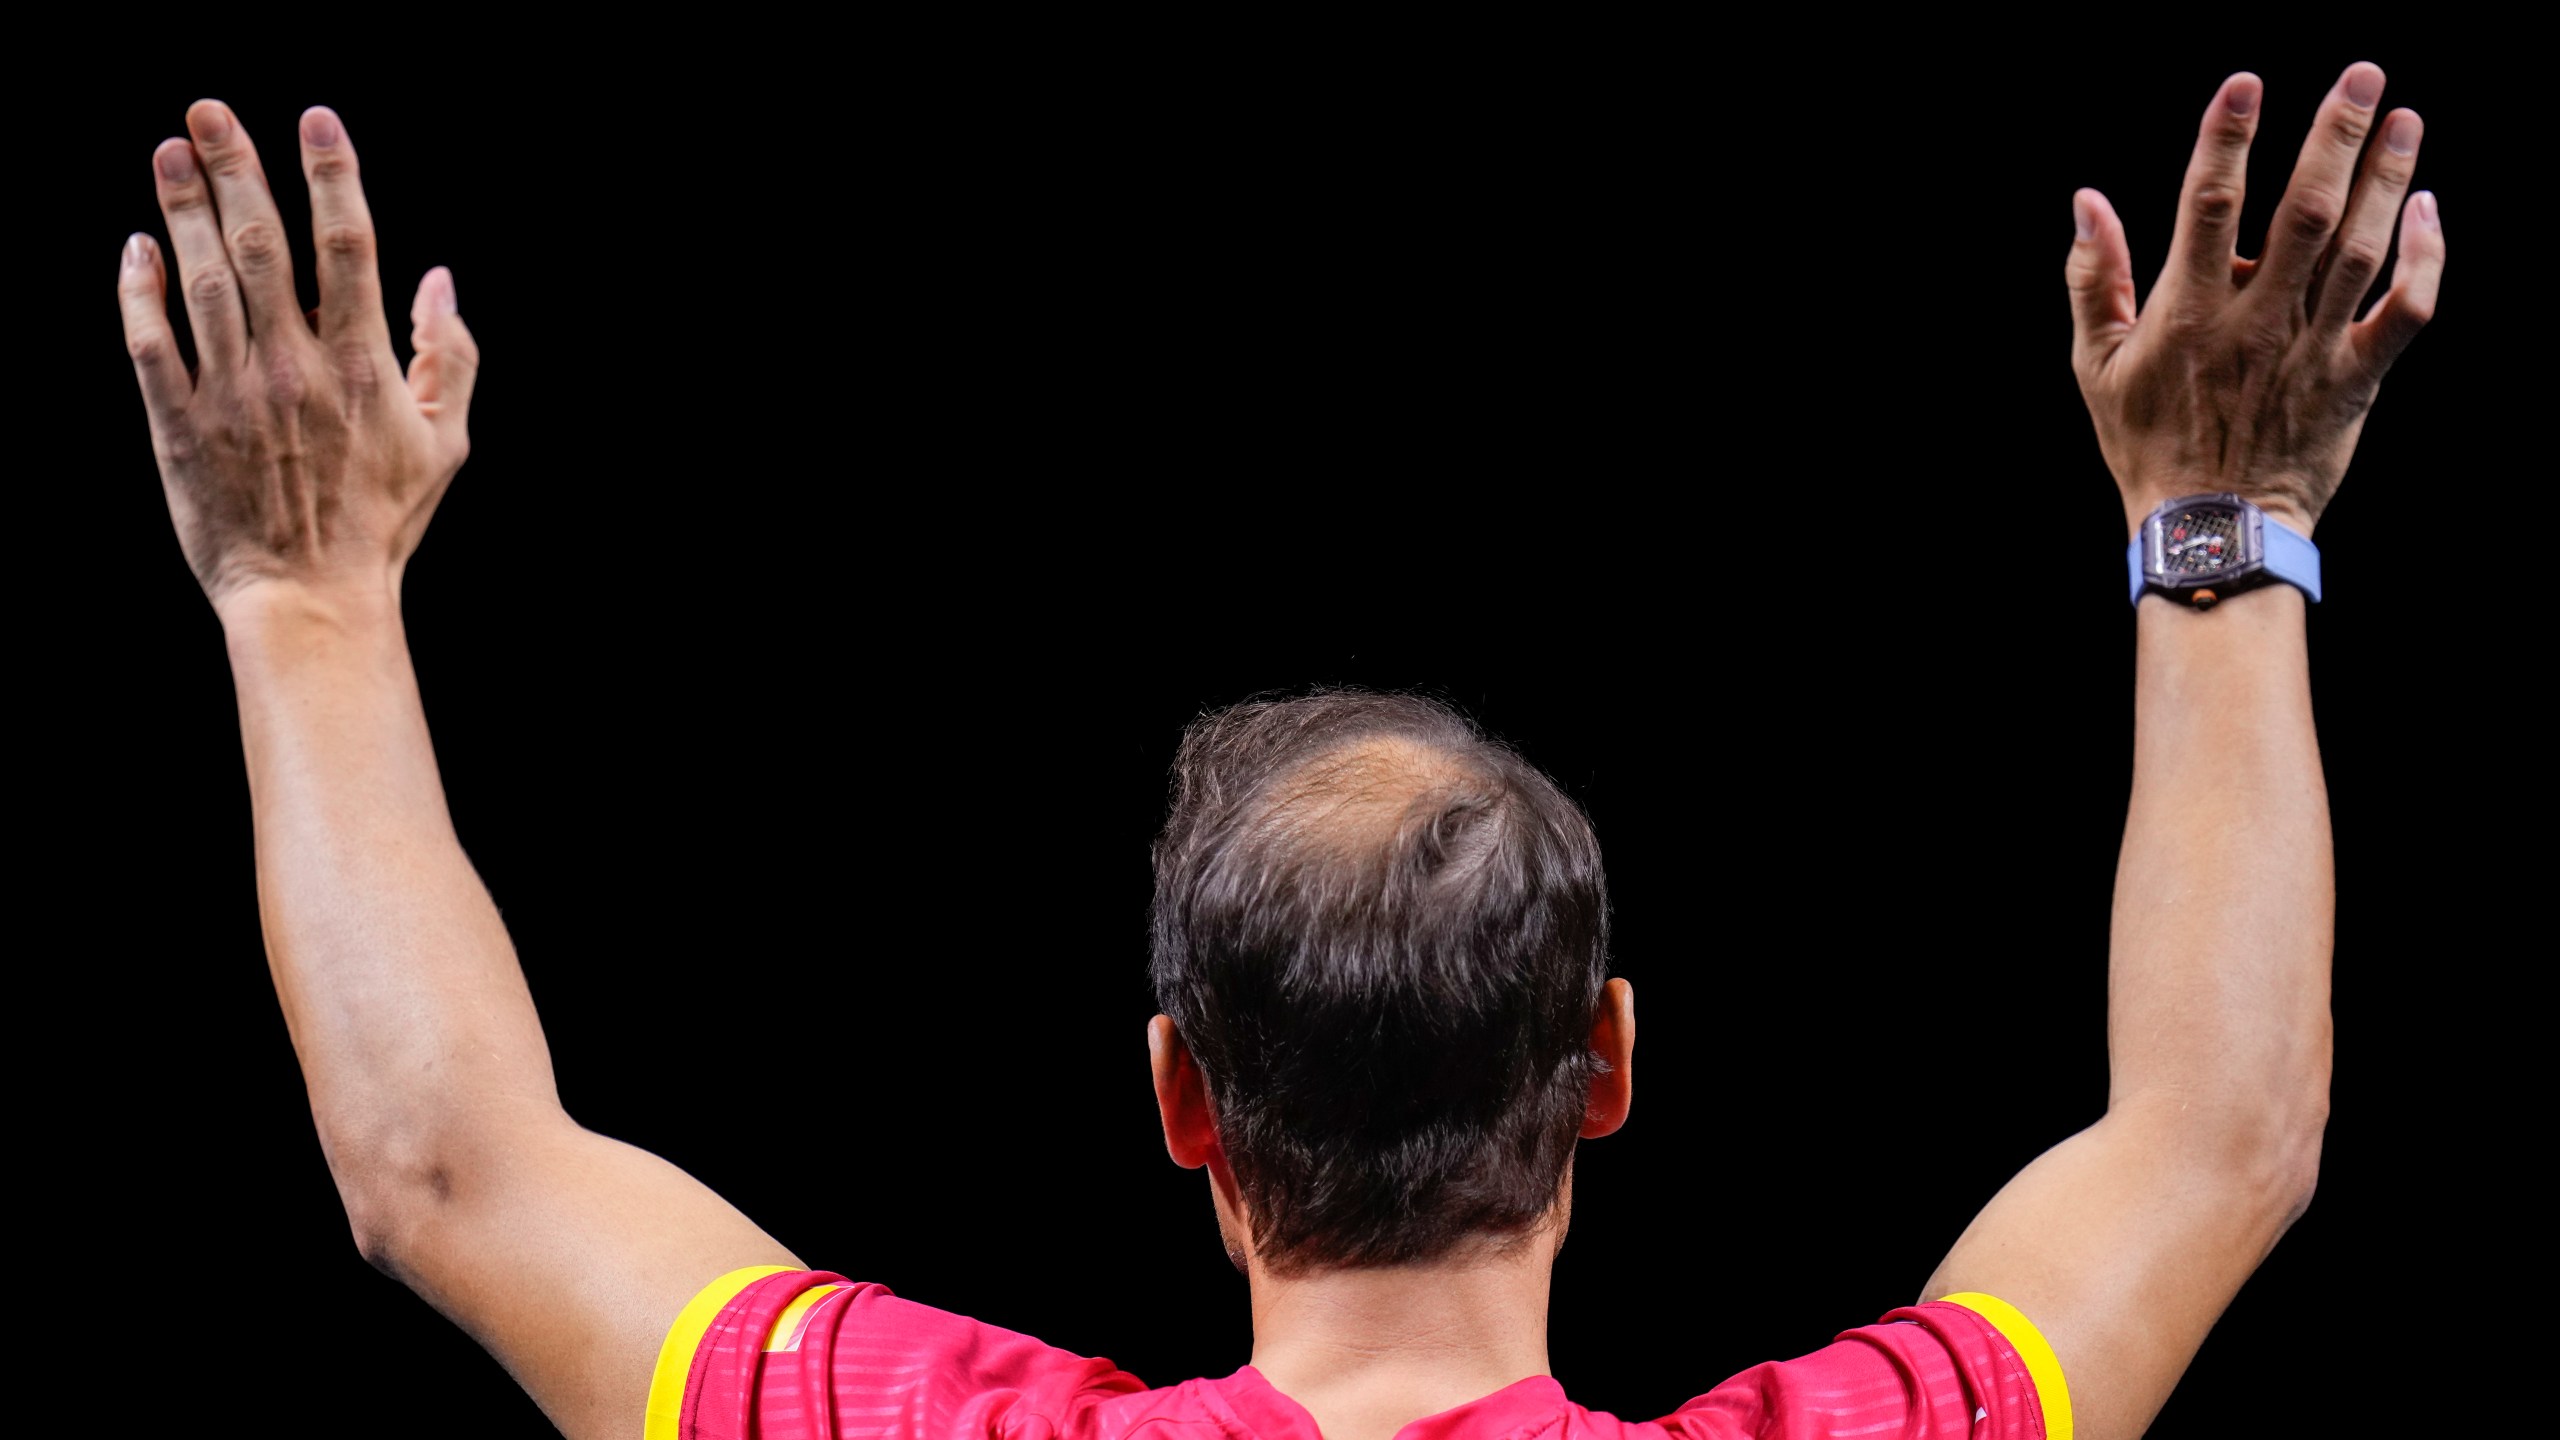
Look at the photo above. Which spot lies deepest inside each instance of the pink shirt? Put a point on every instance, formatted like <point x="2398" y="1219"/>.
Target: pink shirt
<point x="780" y="1354"/>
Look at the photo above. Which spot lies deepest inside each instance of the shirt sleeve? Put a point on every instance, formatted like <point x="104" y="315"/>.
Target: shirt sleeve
<point x="1967" y="1367"/>
<point x="772" y="1353"/>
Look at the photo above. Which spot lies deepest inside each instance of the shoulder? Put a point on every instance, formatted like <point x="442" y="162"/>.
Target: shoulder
<point x="778" y="1353"/>
<point x="1936" y="1370"/>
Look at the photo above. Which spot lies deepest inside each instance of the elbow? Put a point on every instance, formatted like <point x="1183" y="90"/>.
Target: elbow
<point x="388" y="1225"/>
<point x="2259" y="1154"/>
<point x="2290" y="1132"/>
<point x="408" y="1173"/>
<point x="2295" y="1172"/>
<point x="392" y="1189"/>
<point x="2273" y="1157"/>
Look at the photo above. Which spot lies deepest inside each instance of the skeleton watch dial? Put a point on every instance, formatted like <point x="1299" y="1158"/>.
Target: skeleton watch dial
<point x="2199" y="543"/>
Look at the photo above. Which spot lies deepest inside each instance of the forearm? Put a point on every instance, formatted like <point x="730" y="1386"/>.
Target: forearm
<point x="2125" y="1241"/>
<point x="399" y="985"/>
<point x="2218" y="1004"/>
<point x="566" y="1253"/>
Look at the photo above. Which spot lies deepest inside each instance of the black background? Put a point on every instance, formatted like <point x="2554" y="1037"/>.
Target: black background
<point x="877" y="462"/>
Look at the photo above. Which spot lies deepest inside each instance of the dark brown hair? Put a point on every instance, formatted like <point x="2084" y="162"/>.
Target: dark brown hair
<point x="1382" y="934"/>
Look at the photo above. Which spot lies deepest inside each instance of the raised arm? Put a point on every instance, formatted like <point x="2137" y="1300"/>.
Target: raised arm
<point x="301" y="467"/>
<point x="2124" y="1243"/>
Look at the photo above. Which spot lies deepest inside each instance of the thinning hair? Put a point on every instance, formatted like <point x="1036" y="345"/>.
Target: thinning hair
<point x="1382" y="935"/>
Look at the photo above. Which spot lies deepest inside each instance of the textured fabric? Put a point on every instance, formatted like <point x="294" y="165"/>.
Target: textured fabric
<point x="851" y="1360"/>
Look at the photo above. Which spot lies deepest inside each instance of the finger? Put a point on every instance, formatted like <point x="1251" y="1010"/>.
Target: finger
<point x="252" y="231"/>
<point x="142" y="293"/>
<point x="341" y="233"/>
<point x="447" y="360"/>
<point x="2365" y="236"/>
<point x="2207" y="238"/>
<point x="2100" y="276"/>
<point x="204" y="267"/>
<point x="2316" y="199"/>
<point x="2410" y="303"/>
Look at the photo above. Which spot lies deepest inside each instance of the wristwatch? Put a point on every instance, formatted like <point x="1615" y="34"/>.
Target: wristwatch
<point x="2202" y="549"/>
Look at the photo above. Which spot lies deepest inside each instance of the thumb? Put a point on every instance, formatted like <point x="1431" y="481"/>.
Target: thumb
<point x="2100" y="275"/>
<point x="446" y="359"/>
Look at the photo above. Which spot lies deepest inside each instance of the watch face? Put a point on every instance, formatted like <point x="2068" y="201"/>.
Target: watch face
<point x="2201" y="542"/>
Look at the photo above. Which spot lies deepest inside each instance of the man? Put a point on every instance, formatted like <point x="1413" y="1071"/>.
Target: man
<point x="1379" y="937"/>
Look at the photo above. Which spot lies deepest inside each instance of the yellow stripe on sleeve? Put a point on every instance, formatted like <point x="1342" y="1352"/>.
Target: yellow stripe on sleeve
<point x="2029" y="1342"/>
<point x="675" y="1357"/>
<point x="786" y="1326"/>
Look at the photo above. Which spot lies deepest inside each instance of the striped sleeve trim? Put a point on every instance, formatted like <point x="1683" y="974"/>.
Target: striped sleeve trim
<point x="2042" y="1366"/>
<point x="793" y="1322"/>
<point x="675" y="1357"/>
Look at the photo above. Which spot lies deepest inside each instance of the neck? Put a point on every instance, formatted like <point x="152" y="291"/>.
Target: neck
<point x="1391" y="1345"/>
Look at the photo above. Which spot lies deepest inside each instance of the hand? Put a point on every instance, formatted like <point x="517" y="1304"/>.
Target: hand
<point x="2254" y="376"/>
<point x="296" y="453"/>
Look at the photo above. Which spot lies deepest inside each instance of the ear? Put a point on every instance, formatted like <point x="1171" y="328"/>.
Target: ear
<point x="1613" y="1039"/>
<point x="1182" y="1099"/>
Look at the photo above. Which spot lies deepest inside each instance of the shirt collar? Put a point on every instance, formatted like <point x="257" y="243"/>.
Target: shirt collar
<point x="1514" y="1409"/>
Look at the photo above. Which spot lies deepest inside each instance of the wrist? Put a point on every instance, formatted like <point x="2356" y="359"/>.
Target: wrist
<point x="2264" y="608"/>
<point x="265" y="613"/>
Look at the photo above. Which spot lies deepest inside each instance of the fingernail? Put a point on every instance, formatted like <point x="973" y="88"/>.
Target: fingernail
<point x="2083" y="224"/>
<point x="2401" y="135"/>
<point x="2427" y="209"/>
<point x="2240" y="97"/>
<point x="319" y="129"/>
<point x="2364" y="87"/>
<point x="178" y="163"/>
<point x="445" y="300"/>
<point x="137" y="248"/>
<point x="214" y="123"/>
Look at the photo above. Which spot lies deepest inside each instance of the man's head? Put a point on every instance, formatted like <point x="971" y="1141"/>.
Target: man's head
<point x="1381" y="938"/>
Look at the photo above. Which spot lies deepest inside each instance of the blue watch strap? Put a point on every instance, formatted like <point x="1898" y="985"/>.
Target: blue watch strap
<point x="2290" y="557"/>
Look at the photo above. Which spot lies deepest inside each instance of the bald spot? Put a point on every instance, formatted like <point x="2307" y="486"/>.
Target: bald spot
<point x="1355" y="800"/>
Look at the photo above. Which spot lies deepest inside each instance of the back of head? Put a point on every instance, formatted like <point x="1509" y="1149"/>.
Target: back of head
<point x="1383" y="936"/>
